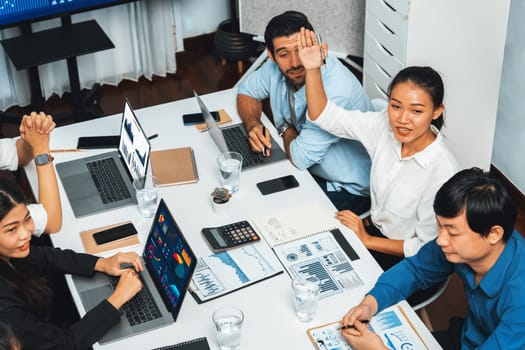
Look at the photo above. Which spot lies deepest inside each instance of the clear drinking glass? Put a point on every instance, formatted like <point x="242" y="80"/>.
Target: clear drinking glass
<point x="230" y="164"/>
<point x="306" y="296"/>
<point x="228" y="323"/>
<point x="147" y="192"/>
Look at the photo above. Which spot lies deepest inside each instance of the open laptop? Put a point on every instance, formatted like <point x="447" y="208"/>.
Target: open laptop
<point x="169" y="264"/>
<point x="234" y="138"/>
<point x="105" y="181"/>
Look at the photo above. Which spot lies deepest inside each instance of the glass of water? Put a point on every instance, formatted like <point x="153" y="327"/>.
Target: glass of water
<point x="147" y="192"/>
<point x="230" y="164"/>
<point x="306" y="295"/>
<point x="228" y="323"/>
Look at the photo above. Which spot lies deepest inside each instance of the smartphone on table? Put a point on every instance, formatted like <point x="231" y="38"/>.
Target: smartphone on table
<point x="87" y="142"/>
<point x="277" y="184"/>
<point x="197" y="118"/>
<point x="114" y="233"/>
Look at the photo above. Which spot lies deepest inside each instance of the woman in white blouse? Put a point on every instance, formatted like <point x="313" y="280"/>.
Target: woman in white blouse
<point x="409" y="158"/>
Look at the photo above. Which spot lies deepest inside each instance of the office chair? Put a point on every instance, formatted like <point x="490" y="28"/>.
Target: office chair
<point x="421" y="308"/>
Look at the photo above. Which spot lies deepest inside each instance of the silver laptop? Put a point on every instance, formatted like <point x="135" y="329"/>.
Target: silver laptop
<point x="105" y="181"/>
<point x="169" y="264"/>
<point x="234" y="138"/>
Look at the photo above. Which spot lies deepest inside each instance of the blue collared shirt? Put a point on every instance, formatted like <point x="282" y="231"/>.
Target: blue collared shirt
<point x="344" y="163"/>
<point x="495" y="318"/>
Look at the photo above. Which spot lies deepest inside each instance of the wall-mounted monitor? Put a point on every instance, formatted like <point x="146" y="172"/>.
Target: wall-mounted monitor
<point x="15" y="12"/>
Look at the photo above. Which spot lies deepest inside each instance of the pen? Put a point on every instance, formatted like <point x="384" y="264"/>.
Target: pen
<point x="65" y="150"/>
<point x="153" y="136"/>
<point x="319" y="41"/>
<point x="347" y="327"/>
<point x="264" y="147"/>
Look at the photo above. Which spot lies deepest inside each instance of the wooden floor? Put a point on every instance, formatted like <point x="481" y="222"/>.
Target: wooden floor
<point x="198" y="69"/>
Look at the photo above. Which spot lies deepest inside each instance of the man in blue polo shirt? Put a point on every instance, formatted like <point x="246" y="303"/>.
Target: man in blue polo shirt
<point x="340" y="166"/>
<point x="476" y="239"/>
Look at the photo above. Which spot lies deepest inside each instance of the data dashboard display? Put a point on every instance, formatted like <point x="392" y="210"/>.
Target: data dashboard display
<point x="13" y="12"/>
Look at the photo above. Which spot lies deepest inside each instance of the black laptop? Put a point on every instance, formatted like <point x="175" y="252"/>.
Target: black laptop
<point x="169" y="264"/>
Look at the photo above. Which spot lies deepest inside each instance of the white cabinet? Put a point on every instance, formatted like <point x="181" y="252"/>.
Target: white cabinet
<point x="464" y="41"/>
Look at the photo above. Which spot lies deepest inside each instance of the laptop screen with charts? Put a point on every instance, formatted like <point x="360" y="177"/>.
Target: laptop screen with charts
<point x="169" y="264"/>
<point x="234" y="138"/>
<point x="105" y="181"/>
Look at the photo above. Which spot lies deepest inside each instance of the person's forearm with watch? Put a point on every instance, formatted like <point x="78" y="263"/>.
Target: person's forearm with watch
<point x="288" y="134"/>
<point x="36" y="136"/>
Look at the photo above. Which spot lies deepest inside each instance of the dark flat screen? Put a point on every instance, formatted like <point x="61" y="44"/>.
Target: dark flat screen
<point x="14" y="12"/>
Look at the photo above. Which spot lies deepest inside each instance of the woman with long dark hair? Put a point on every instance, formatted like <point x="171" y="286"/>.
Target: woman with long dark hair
<point x="25" y="296"/>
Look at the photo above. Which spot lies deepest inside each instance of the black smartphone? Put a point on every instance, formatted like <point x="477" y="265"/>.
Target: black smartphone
<point x="196" y="118"/>
<point x="87" y="142"/>
<point x="114" y="233"/>
<point x="278" y="184"/>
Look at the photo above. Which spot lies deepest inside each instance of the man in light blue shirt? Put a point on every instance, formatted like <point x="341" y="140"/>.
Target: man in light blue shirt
<point x="341" y="167"/>
<point x="476" y="239"/>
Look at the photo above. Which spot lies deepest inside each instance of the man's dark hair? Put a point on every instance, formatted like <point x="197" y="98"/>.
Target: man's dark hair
<point x="285" y="24"/>
<point x="483" y="197"/>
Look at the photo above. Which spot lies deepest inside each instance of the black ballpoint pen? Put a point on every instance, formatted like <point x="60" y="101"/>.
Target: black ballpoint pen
<point x="319" y="41"/>
<point x="153" y="136"/>
<point x="347" y="327"/>
<point x="264" y="147"/>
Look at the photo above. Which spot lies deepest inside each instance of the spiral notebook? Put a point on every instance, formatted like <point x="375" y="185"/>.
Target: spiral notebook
<point x="307" y="242"/>
<point x="295" y="223"/>
<point x="174" y="166"/>
<point x="195" y="344"/>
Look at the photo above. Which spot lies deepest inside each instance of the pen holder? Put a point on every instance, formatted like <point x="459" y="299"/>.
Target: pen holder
<point x="220" y="199"/>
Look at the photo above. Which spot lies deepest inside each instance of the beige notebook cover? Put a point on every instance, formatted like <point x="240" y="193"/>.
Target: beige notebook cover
<point x="174" y="166"/>
<point x="91" y="247"/>
<point x="224" y="118"/>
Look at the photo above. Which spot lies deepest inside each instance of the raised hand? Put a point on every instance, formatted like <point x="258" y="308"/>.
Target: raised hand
<point x="310" y="49"/>
<point x="39" y="122"/>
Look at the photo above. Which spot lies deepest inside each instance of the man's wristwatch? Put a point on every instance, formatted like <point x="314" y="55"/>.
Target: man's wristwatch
<point x="43" y="159"/>
<point x="281" y="129"/>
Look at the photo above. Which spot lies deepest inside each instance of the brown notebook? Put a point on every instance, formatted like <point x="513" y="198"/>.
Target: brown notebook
<point x="174" y="166"/>
<point x="224" y="118"/>
<point x="91" y="247"/>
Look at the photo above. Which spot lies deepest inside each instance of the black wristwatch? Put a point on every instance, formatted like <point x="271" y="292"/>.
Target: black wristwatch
<point x="43" y="159"/>
<point x="281" y="129"/>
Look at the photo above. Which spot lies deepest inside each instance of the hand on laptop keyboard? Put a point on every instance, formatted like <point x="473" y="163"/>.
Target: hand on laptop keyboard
<point x="129" y="283"/>
<point x="259" y="139"/>
<point x="127" y="287"/>
<point x="113" y="265"/>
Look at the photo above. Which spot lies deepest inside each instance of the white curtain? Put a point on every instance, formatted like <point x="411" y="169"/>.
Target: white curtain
<point x="144" y="38"/>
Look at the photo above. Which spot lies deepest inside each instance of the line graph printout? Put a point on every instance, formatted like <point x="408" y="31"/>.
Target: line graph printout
<point x="225" y="272"/>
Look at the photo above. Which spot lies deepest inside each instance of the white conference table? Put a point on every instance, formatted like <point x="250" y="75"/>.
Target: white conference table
<point x="270" y="321"/>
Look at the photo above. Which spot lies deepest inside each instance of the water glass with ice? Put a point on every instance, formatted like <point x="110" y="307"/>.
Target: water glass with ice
<point x="228" y="323"/>
<point x="147" y="192"/>
<point x="306" y="295"/>
<point x="230" y="164"/>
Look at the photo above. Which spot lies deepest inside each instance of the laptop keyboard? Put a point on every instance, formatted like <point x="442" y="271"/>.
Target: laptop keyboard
<point x="236" y="141"/>
<point x="107" y="179"/>
<point x="141" y="308"/>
